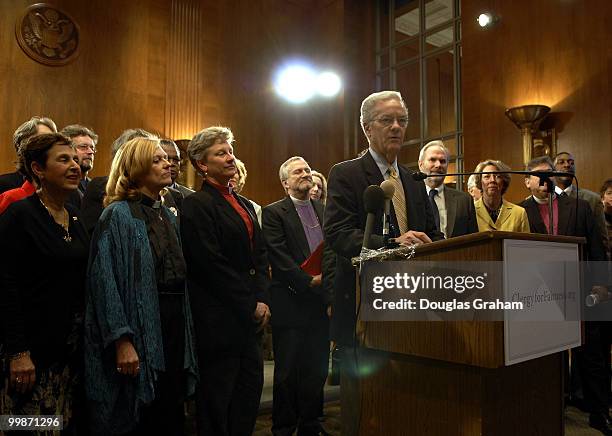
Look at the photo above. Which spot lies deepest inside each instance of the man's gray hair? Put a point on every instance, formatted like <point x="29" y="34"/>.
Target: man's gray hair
<point x="436" y="143"/>
<point x="471" y="183"/>
<point x="29" y="128"/>
<point x="74" y="130"/>
<point x="367" y="105"/>
<point x="128" y="135"/>
<point x="283" y="172"/>
<point x="205" y="139"/>
<point x="537" y="161"/>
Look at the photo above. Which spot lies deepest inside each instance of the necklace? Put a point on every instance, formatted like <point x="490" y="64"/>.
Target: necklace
<point x="65" y="224"/>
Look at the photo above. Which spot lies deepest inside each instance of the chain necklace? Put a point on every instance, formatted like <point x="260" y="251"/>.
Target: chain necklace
<point x="65" y="224"/>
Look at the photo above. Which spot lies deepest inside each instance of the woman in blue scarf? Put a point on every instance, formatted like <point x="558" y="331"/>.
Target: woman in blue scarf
<point x="139" y="358"/>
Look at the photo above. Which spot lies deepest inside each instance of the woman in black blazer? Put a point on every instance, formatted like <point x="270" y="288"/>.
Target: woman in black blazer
<point x="227" y="279"/>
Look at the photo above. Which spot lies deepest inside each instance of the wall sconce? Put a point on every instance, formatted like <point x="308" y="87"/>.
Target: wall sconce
<point x="188" y="177"/>
<point x="535" y="143"/>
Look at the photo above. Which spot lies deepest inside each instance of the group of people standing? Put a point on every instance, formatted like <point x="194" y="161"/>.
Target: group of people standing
<point x="124" y="295"/>
<point x="113" y="329"/>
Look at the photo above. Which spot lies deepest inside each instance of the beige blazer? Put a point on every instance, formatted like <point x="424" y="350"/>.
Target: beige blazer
<point x="512" y="218"/>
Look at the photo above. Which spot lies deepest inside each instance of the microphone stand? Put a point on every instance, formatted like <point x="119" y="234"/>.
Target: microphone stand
<point x="545" y="180"/>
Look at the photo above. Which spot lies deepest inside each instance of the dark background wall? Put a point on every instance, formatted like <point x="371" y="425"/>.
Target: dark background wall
<point x="177" y="66"/>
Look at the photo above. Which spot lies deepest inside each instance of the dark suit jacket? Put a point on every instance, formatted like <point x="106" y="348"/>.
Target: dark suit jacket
<point x="584" y="225"/>
<point x="345" y="220"/>
<point x="11" y="181"/>
<point x="294" y="302"/>
<point x="226" y="276"/>
<point x="183" y="190"/>
<point x="460" y="213"/>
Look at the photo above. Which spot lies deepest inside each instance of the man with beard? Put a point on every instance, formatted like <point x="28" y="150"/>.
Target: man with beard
<point x="453" y="210"/>
<point x="293" y="231"/>
<point x="566" y="163"/>
<point x="85" y="141"/>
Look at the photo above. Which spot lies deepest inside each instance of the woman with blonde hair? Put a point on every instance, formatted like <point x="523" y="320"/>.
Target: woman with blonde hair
<point x="140" y="363"/>
<point x="319" y="190"/>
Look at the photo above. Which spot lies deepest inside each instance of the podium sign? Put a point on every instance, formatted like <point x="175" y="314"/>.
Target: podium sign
<point x="546" y="277"/>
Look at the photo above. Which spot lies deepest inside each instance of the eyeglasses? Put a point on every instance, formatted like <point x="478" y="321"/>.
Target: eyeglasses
<point x="174" y="160"/>
<point x="387" y="120"/>
<point x="85" y="147"/>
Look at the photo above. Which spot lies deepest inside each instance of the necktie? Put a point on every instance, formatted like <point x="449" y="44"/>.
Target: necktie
<point x="399" y="201"/>
<point x="563" y="194"/>
<point x="434" y="207"/>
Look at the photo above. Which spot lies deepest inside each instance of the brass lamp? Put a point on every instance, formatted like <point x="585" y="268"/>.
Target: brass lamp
<point x="526" y="119"/>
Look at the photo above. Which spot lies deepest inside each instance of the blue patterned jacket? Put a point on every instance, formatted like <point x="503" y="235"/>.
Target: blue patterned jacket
<point x="122" y="299"/>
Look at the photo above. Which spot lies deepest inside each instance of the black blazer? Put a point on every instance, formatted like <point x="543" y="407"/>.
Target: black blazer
<point x="294" y="302"/>
<point x="226" y="275"/>
<point x="460" y="213"/>
<point x="345" y="219"/>
<point x="584" y="226"/>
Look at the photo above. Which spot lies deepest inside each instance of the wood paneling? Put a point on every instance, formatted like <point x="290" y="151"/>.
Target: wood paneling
<point x="549" y="52"/>
<point x="177" y="66"/>
<point x="118" y="80"/>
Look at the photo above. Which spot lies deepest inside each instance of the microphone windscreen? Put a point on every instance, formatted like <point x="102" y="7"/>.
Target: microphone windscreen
<point x="373" y="199"/>
<point x="388" y="188"/>
<point x="418" y="176"/>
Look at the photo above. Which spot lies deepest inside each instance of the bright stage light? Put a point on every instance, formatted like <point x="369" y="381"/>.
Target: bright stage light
<point x="328" y="84"/>
<point x="296" y="83"/>
<point x="484" y="19"/>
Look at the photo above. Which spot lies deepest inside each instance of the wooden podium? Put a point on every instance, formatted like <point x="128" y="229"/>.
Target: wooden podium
<point x="448" y="378"/>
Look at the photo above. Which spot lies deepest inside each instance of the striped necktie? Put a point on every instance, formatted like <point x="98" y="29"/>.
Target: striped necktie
<point x="399" y="201"/>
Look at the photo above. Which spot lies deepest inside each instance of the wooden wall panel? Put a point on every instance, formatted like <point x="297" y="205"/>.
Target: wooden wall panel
<point x="548" y="52"/>
<point x="118" y="80"/>
<point x="177" y="66"/>
<point x="185" y="63"/>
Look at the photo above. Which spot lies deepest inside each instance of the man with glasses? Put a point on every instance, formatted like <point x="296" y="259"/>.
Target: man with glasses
<point x="384" y="119"/>
<point x="85" y="141"/>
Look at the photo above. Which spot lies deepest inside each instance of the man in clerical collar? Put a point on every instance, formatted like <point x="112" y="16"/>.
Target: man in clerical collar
<point x="293" y="231"/>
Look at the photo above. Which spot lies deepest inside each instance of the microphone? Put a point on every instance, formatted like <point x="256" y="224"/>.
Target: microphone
<point x="598" y="295"/>
<point x="373" y="201"/>
<point x="388" y="189"/>
<point x="419" y="175"/>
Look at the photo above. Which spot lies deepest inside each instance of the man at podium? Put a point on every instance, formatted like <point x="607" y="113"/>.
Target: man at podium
<point x="384" y="119"/>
